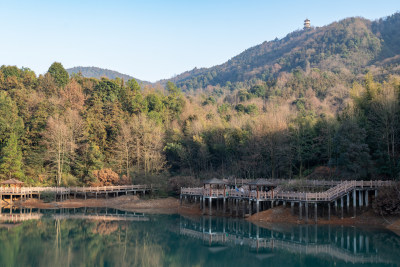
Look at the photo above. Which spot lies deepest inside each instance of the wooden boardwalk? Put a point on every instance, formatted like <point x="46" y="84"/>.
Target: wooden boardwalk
<point x="339" y="193"/>
<point x="335" y="192"/>
<point x="65" y="192"/>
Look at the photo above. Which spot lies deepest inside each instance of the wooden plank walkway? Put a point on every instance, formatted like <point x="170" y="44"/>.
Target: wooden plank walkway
<point x="64" y="192"/>
<point x="338" y="190"/>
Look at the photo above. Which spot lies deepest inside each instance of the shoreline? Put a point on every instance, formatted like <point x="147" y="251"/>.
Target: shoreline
<point x="172" y="205"/>
<point x="131" y="203"/>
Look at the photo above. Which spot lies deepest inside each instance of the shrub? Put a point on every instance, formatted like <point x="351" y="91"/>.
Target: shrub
<point x="388" y="201"/>
<point x="105" y="177"/>
<point x="48" y="196"/>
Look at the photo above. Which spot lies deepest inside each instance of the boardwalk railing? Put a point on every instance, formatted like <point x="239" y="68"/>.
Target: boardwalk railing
<point x="331" y="194"/>
<point x="69" y="190"/>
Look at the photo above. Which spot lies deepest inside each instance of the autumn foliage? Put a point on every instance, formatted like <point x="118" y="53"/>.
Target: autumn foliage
<point x="107" y="177"/>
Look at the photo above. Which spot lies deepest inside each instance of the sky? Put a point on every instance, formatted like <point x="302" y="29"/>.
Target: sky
<point x="153" y="39"/>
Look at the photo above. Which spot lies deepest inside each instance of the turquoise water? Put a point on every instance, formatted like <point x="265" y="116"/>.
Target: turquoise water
<point x="107" y="237"/>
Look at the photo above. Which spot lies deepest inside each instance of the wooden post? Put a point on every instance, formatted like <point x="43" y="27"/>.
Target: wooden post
<point x="329" y="211"/>
<point x="210" y="204"/>
<point x="341" y="205"/>
<point x="315" y="212"/>
<point x="300" y="211"/>
<point x="249" y="207"/>
<point x="366" y="198"/>
<point x="257" y="206"/>
<point x="360" y="198"/>
<point x="244" y="208"/>
<point x="237" y="207"/>
<point x="292" y="208"/>
<point x="306" y="206"/>
<point x="224" y="204"/>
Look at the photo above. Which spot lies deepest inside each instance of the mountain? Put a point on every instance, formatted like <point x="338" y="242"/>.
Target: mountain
<point x="350" y="46"/>
<point x="94" y="72"/>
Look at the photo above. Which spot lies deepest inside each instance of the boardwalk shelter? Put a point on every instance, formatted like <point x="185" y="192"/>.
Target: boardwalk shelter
<point x="215" y="187"/>
<point x="260" y="187"/>
<point x="12" y="183"/>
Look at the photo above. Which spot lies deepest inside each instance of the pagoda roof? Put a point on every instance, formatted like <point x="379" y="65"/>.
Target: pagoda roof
<point x="261" y="181"/>
<point x="214" y="181"/>
<point x="11" y="181"/>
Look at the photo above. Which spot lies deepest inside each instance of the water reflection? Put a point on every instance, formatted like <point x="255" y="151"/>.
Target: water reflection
<point x="109" y="237"/>
<point x="349" y="244"/>
<point x="16" y="214"/>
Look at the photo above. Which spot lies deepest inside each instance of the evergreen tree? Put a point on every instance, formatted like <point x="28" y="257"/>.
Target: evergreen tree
<point x="11" y="159"/>
<point x="59" y="74"/>
<point x="351" y="150"/>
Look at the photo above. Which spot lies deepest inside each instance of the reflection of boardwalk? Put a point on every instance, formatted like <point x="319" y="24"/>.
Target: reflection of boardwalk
<point x="26" y="215"/>
<point x="102" y="217"/>
<point x="16" y="217"/>
<point x="348" y="244"/>
<point x="270" y="243"/>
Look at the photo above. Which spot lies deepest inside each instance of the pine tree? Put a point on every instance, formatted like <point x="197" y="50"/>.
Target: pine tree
<point x="11" y="159"/>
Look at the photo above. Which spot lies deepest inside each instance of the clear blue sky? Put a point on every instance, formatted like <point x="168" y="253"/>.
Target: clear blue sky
<point x="151" y="39"/>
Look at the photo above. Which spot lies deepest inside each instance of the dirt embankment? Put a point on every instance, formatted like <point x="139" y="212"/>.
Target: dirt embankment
<point x="367" y="219"/>
<point x="168" y="205"/>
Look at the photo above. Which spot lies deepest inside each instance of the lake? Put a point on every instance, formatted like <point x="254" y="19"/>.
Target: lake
<point x="109" y="237"/>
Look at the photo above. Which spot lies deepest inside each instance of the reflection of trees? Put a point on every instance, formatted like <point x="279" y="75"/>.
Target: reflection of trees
<point x="78" y="242"/>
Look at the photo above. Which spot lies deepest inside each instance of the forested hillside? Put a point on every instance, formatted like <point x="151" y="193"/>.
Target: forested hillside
<point x="305" y="121"/>
<point x="98" y="73"/>
<point x="344" y="48"/>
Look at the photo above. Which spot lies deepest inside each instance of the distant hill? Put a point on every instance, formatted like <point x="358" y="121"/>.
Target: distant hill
<point x="350" y="46"/>
<point x="94" y="72"/>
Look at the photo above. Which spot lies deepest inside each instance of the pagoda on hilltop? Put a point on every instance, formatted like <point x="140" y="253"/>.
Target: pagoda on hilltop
<point x="307" y="24"/>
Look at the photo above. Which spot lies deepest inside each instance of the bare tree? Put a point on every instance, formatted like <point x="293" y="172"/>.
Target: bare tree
<point x="62" y="136"/>
<point x="124" y="148"/>
<point x="147" y="145"/>
<point x="58" y="138"/>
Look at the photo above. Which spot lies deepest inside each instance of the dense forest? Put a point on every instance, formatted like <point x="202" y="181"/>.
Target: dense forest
<point x="307" y="121"/>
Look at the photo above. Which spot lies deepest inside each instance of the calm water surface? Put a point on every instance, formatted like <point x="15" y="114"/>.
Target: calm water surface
<point x="107" y="237"/>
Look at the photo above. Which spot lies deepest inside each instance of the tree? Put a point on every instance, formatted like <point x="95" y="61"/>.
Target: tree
<point x="59" y="74"/>
<point x="147" y="145"/>
<point x="351" y="151"/>
<point x="72" y="95"/>
<point x="10" y="122"/>
<point x="124" y="148"/>
<point x="11" y="159"/>
<point x="60" y="145"/>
